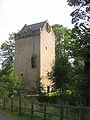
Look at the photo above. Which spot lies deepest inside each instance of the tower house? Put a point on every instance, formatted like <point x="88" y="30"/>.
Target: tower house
<point x="35" y="53"/>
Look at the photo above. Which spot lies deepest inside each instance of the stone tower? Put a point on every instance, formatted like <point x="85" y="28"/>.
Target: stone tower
<point x="35" y="53"/>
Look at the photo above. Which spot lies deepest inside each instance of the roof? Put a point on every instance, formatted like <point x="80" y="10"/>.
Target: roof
<point x="33" y="26"/>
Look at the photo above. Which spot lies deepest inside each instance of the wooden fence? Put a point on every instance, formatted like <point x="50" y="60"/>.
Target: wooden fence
<point x="44" y="111"/>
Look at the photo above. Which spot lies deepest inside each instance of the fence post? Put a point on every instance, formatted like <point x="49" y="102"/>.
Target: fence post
<point x="11" y="104"/>
<point x="4" y="103"/>
<point x="45" y="111"/>
<point x="32" y="109"/>
<point x="20" y="104"/>
<point x="61" y="113"/>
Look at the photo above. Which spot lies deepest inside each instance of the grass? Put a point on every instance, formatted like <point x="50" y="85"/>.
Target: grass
<point x="16" y="116"/>
<point x="53" y="113"/>
<point x="26" y="104"/>
<point x="13" y="116"/>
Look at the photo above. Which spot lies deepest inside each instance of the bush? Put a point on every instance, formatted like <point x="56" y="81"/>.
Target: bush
<point x="49" y="98"/>
<point x="66" y="97"/>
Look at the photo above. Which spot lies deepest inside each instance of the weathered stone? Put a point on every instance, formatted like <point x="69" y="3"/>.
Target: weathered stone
<point x="35" y="42"/>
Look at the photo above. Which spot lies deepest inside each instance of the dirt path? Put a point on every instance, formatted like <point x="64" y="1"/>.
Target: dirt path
<point x="3" y="117"/>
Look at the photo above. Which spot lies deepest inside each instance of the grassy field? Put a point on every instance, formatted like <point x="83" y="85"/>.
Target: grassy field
<point x="26" y="110"/>
<point x="52" y="111"/>
<point x="15" y="116"/>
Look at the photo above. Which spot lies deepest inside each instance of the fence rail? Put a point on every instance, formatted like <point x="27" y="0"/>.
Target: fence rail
<point x="45" y="111"/>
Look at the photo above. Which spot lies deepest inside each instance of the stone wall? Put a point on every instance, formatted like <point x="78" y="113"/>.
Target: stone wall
<point x="47" y="55"/>
<point x="42" y="44"/>
<point x="24" y="49"/>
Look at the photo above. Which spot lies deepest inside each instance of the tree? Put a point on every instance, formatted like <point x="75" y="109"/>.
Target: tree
<point x="7" y="52"/>
<point x="60" y="72"/>
<point x="81" y="30"/>
<point x="81" y="14"/>
<point x="63" y="40"/>
<point x="81" y="44"/>
<point x="81" y="20"/>
<point x="9" y="83"/>
<point x="61" y="69"/>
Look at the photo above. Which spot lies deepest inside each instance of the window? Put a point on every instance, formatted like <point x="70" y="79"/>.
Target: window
<point x="34" y="61"/>
<point x="21" y="74"/>
<point x="48" y="28"/>
<point x="46" y="48"/>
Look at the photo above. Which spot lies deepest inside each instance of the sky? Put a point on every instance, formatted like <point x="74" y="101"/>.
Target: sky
<point x="14" y="14"/>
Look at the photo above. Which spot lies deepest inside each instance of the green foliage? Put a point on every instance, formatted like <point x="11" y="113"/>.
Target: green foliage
<point x="81" y="12"/>
<point x="48" y="99"/>
<point x="63" y="39"/>
<point x="58" y="97"/>
<point x="7" y="51"/>
<point x="61" y="72"/>
<point x="61" y="69"/>
<point x="38" y="86"/>
<point x="9" y="83"/>
<point x="57" y="93"/>
<point x="81" y="49"/>
<point x="14" y="82"/>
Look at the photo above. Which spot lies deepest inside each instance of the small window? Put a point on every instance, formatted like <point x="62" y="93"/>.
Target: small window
<point x="34" y="61"/>
<point x="48" y="28"/>
<point x="21" y="74"/>
<point x="46" y="48"/>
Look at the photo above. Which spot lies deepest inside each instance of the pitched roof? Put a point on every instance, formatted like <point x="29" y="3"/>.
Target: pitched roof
<point x="33" y="26"/>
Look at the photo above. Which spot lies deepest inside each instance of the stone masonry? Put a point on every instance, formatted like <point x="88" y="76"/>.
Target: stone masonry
<point x="35" y="53"/>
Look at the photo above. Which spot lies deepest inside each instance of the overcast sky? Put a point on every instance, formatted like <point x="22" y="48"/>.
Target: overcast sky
<point x="14" y="14"/>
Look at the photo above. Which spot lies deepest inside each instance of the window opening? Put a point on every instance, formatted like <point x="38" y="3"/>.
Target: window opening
<point x="21" y="74"/>
<point x="46" y="48"/>
<point x="48" y="28"/>
<point x="34" y="61"/>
